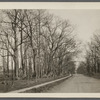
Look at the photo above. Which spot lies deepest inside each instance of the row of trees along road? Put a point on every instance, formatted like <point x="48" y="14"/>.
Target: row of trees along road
<point x="35" y="44"/>
<point x="91" y="65"/>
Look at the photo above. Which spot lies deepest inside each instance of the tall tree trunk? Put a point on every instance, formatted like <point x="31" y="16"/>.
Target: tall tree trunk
<point x="16" y="66"/>
<point x="8" y="61"/>
<point x="12" y="71"/>
<point x="39" y="32"/>
<point x="21" y="49"/>
<point x="34" y="64"/>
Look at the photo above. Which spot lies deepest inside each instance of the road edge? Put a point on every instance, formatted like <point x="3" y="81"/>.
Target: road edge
<point x="39" y="85"/>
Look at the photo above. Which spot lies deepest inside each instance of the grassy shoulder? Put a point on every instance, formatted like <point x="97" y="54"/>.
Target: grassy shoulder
<point x="44" y="89"/>
<point x="96" y="75"/>
<point x="20" y="84"/>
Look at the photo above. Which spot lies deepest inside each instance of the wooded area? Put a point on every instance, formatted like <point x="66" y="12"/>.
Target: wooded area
<point x="91" y="65"/>
<point x="35" y="44"/>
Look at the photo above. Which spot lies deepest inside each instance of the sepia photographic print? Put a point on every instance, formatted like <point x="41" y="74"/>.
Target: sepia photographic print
<point x="49" y="49"/>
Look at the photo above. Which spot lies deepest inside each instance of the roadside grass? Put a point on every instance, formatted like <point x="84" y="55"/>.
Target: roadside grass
<point x="45" y="88"/>
<point x="20" y="84"/>
<point x="97" y="75"/>
<point x="94" y="75"/>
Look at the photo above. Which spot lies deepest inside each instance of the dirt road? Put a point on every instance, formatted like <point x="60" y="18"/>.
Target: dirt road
<point x="77" y="84"/>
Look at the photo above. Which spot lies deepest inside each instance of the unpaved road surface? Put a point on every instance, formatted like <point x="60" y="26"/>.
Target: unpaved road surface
<point x="77" y="84"/>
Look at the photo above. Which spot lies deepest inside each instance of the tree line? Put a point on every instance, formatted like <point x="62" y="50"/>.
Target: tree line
<point x="35" y="44"/>
<point x="91" y="65"/>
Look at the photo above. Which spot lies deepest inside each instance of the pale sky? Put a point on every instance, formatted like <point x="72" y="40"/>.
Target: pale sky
<point x="86" y="23"/>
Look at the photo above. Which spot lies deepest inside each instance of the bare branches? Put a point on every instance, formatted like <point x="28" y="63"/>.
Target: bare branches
<point x="92" y="59"/>
<point x="38" y="42"/>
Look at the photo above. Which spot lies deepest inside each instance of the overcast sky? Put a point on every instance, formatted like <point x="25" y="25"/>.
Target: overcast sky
<point x="86" y="23"/>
